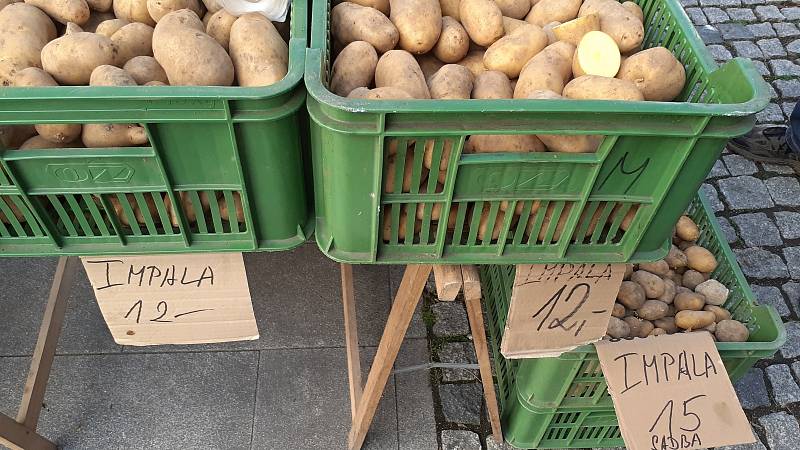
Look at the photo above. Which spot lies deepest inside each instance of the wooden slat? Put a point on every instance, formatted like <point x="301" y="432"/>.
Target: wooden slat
<point x="351" y="337"/>
<point x="448" y="281"/>
<point x="16" y="437"/>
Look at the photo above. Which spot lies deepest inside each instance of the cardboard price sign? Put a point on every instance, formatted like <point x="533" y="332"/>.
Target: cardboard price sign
<point x="672" y="392"/>
<point x="557" y="307"/>
<point x="173" y="299"/>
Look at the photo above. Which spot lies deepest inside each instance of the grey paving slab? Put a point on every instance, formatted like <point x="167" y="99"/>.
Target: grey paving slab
<point x="152" y="401"/>
<point x="85" y="331"/>
<point x="460" y="353"/>
<point x="784" y="387"/>
<point x="460" y="440"/>
<point x="22" y="304"/>
<point x="297" y="302"/>
<point x="461" y="403"/>
<point x="752" y="389"/>
<point x="416" y="422"/>
<point x="791" y="348"/>
<point x="13" y="371"/>
<point x="757" y="230"/>
<point x="760" y="263"/>
<point x="303" y="402"/>
<point x="783" y="432"/>
<point x="417" y="328"/>
<point x="451" y="319"/>
<point x="771" y="295"/>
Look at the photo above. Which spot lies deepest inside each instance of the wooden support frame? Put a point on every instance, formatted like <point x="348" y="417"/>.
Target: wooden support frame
<point x="364" y="403"/>
<point x="21" y="433"/>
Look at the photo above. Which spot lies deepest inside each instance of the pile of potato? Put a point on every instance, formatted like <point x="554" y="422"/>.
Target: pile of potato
<point x="482" y="49"/>
<point x="675" y="294"/>
<point x="128" y="43"/>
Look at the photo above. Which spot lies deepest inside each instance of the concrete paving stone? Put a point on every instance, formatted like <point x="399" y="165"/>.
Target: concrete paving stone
<point x="697" y="16"/>
<point x="785" y="30"/>
<point x="771" y="48"/>
<point x="796" y="368"/>
<point x="784" y="68"/>
<point x="734" y="31"/>
<point x="461" y="403"/>
<point x="747" y="49"/>
<point x="761" y="30"/>
<point x="787" y="107"/>
<point x="756" y="229"/>
<point x="416" y="423"/>
<point x="719" y="53"/>
<point x="451" y="319"/>
<point x="789" y="224"/>
<point x="22" y="303"/>
<point x="771" y="114"/>
<point x="792" y="255"/>
<point x="13" y="372"/>
<point x="791" y="349"/>
<point x="153" y="401"/>
<point x="754" y="2"/>
<point x="781" y="168"/>
<point x="769" y="12"/>
<point x="742" y="14"/>
<point x="788" y="88"/>
<point x="718" y="170"/>
<point x="716" y="15"/>
<point x="784" y="190"/>
<point x="762" y="68"/>
<point x="726" y="3"/>
<point x="686" y="3"/>
<point x="85" y="331"/>
<point x="791" y="13"/>
<point x="792" y="291"/>
<point x="770" y="295"/>
<point x="784" y="387"/>
<point x="727" y="230"/>
<point x="782" y="430"/>
<point x="758" y="445"/>
<point x="760" y="263"/>
<point x="710" y="35"/>
<point x="745" y="192"/>
<point x="712" y="197"/>
<point x="417" y="329"/>
<point x="460" y="440"/>
<point x="752" y="389"/>
<point x="793" y="47"/>
<point x="739" y="165"/>
<point x="491" y="444"/>
<point x="303" y="402"/>
<point x="459" y="353"/>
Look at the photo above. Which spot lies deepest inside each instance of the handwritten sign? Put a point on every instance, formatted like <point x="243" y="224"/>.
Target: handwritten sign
<point x="672" y="392"/>
<point x="173" y="299"/>
<point x="557" y="307"/>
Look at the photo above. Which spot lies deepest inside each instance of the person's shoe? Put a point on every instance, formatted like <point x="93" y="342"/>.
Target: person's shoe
<point x="766" y="144"/>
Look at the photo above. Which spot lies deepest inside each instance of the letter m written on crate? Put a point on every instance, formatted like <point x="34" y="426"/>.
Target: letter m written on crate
<point x="97" y="173"/>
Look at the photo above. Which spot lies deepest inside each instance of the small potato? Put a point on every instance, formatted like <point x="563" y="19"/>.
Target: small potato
<point x="634" y="323"/>
<point x="380" y="5"/>
<point x="653" y="310"/>
<point x="452" y="81"/>
<point x="145" y="69"/>
<point x="719" y="313"/>
<point x="658" y="332"/>
<point x="653" y="285"/>
<point x="419" y="23"/>
<point x="631" y="294"/>
<point x="515" y="9"/>
<point x="511" y="52"/>
<point x="635" y="9"/>
<point x="113" y="135"/>
<point x="617" y="21"/>
<point x="449" y="8"/>
<point x="38" y="143"/>
<point x="160" y="8"/>
<point x="619" y="310"/>
<point x="155" y="83"/>
<point x="474" y="62"/>
<point x="667" y="324"/>
<point x="700" y="259"/>
<point x="683" y="245"/>
<point x="691" y="278"/>
<point x="132" y="40"/>
<point x="492" y="85"/>
<point x="483" y="21"/>
<point x="656" y="73"/>
<point x="386" y="93"/>
<point x="351" y="22"/>
<point x="574" y="30"/>
<point x="689" y="301"/>
<point x="95" y="19"/>
<point x="549" y="70"/>
<point x="546" y="11"/>
<point x="628" y="272"/>
<point x="660" y="267"/>
<point x="219" y="27"/>
<point x="676" y="259"/>
<point x="133" y="11"/>
<point x="711" y="328"/>
<point x="429" y="64"/>
<point x="111" y="76"/>
<point x="398" y="68"/>
<point x="71" y="58"/>
<point x="686" y="229"/>
<point x="33" y="77"/>
<point x="617" y="328"/>
<point x="693" y="320"/>
<point x="715" y="292"/>
<point x="354" y="67"/>
<point x="109" y="27"/>
<point x="64" y="11"/>
<point x="504" y="143"/>
<point x="731" y="331"/>
<point x="259" y="53"/>
<point x="453" y="43"/>
<point x="509" y="24"/>
<point x="594" y="87"/>
<point x="102" y="6"/>
<point x="669" y="291"/>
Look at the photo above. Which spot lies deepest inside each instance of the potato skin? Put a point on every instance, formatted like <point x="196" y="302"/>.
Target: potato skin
<point x="351" y="22"/>
<point x="549" y="70"/>
<point x="653" y="285"/>
<point x="474" y="62"/>
<point x="71" y="58"/>
<point x="546" y="11"/>
<point x="259" y="53"/>
<point x="453" y="43"/>
<point x="111" y="76"/>
<point x="160" y="8"/>
<point x="97" y="135"/>
<point x="64" y="11"/>
<point x="219" y="27"/>
<point x="386" y="93"/>
<point x="631" y="295"/>
<point x="715" y="292"/>
<point x="33" y="77"/>
<point x="133" y="11"/>
<point x="39" y="142"/>
<point x="24" y="31"/>
<point x="419" y="23"/>
<point x="483" y="21"/>
<point x="701" y="259"/>
<point x="617" y="328"/>
<point x="693" y="320"/>
<point x="515" y="9"/>
<point x="451" y="82"/>
<point x="102" y="6"/>
<point x="511" y="52"/>
<point x="145" y="69"/>
<point x="108" y="27"/>
<point x="451" y="8"/>
<point x="593" y="87"/>
<point x="689" y="301"/>
<point x="398" y="68"/>
<point x="656" y="72"/>
<point x="731" y="331"/>
<point x="429" y="64"/>
<point x="719" y="313"/>
<point x="617" y="21"/>
<point x="354" y="67"/>
<point x="135" y="39"/>
<point x="492" y="84"/>
<point x="686" y="229"/>
<point x="653" y="310"/>
<point x="504" y="143"/>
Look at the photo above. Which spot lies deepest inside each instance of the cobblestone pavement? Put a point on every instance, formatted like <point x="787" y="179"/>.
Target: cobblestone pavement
<point x="757" y="207"/>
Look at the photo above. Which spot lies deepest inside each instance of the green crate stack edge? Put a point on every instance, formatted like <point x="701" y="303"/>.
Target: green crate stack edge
<point x="204" y="143"/>
<point x="564" y="402"/>
<point x="654" y="157"/>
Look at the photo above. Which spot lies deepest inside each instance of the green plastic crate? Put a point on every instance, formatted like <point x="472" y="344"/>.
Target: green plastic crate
<point x="563" y="402"/>
<point x="654" y="157"/>
<point x="221" y="141"/>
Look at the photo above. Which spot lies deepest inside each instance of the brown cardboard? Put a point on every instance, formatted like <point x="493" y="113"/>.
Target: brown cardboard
<point x="675" y="381"/>
<point x="557" y="307"/>
<point x="173" y="299"/>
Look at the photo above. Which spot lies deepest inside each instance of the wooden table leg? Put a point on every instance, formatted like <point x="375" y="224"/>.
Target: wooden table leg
<point x="351" y="338"/>
<point x="472" y="298"/>
<point x="405" y="302"/>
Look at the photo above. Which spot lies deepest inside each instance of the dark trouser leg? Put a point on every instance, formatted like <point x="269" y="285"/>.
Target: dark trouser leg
<point x="793" y="132"/>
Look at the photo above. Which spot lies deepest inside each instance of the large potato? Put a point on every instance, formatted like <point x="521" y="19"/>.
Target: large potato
<point x="731" y="331"/>
<point x="132" y="40"/>
<point x="595" y="87"/>
<point x="219" y="27"/>
<point x="511" y="52"/>
<point x="179" y="42"/>
<point x="453" y="43"/>
<point x="399" y="69"/>
<point x="64" y="11"/>
<point x="54" y="133"/>
<point x="133" y="11"/>
<point x="631" y="295"/>
<point x="576" y="143"/>
<point x="546" y="11"/>
<point x="108" y="27"/>
<point x="700" y="259"/>
<point x="160" y="8"/>
<point x="145" y="69"/>
<point x="28" y="21"/>
<point x="113" y="135"/>
<point x="24" y="31"/>
<point x="351" y="22"/>
<point x="354" y="67"/>
<point x="686" y="229"/>
<point x="452" y="81"/>
<point x="492" y="85"/>
<point x="259" y="53"/>
<point x="549" y="70"/>
<point x="419" y="23"/>
<point x="380" y="5"/>
<point x="483" y="21"/>
<point x="111" y="76"/>
<point x="515" y="9"/>
<point x="71" y="58"/>
<point x="617" y="21"/>
<point x="656" y="72"/>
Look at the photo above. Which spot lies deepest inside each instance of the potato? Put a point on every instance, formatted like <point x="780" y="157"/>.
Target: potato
<point x="71" y="58"/>
<point x="95" y="19"/>
<point x="715" y="292"/>
<point x="24" y="31"/>
<point x="574" y="30"/>
<point x="13" y="136"/>
<point x="399" y="69"/>
<point x="64" y="11"/>
<point x="354" y="67"/>
<point x="451" y="82"/>
<point x="483" y="21"/>
<point x="111" y="76"/>
<point x="453" y="43"/>
<point x="133" y="11"/>
<point x="212" y="5"/>
<point x="109" y="27"/>
<point x="97" y="135"/>
<point x="670" y="290"/>
<point x="689" y="301"/>
<point x="186" y="206"/>
<point x="484" y="225"/>
<point x="653" y="285"/>
<point x="645" y="328"/>
<point x="617" y="328"/>
<point x="510" y="25"/>
<point x="160" y="8"/>
<point x="667" y="324"/>
<point x="102" y="6"/>
<point x="419" y="23"/>
<point x="179" y="42"/>
<point x="656" y="72"/>
<point x="596" y="54"/>
<point x="259" y="53"/>
<point x="691" y="278"/>
<point x="577" y="143"/>
<point x="503" y="143"/>
<point x="619" y="310"/>
<point x="719" y="313"/>
<point x="492" y="85"/>
<point x="33" y="77"/>
<point x="135" y="206"/>
<point x="144" y="69"/>
<point x="429" y="64"/>
<point x="635" y="324"/>
<point x="511" y="52"/>
<point x="546" y="11"/>
<point x="628" y="271"/>
<point x="700" y="259"/>
<point x="450" y="8"/>
<point x="731" y="331"/>
<point x="386" y="93"/>
<point x="635" y="9"/>
<point x="155" y="83"/>
<point x="659" y="267"/>
<point x="549" y="70"/>
<point x="711" y="328"/>
<point x="631" y="294"/>
<point x="351" y="22"/>
<point x="38" y="142"/>
<point x="653" y="310"/>
<point x="53" y="133"/>
<point x="514" y="9"/>
<point x="617" y="21"/>
<point x="474" y="62"/>
<point x="132" y="40"/>
<point x="677" y="279"/>
<point x="658" y="332"/>
<point x="686" y="229"/>
<point x="676" y="259"/>
<point x="693" y="320"/>
<point x="594" y="87"/>
<point x="548" y="30"/>
<point x="71" y="28"/>
<point x="219" y="27"/>
<point x="237" y="203"/>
